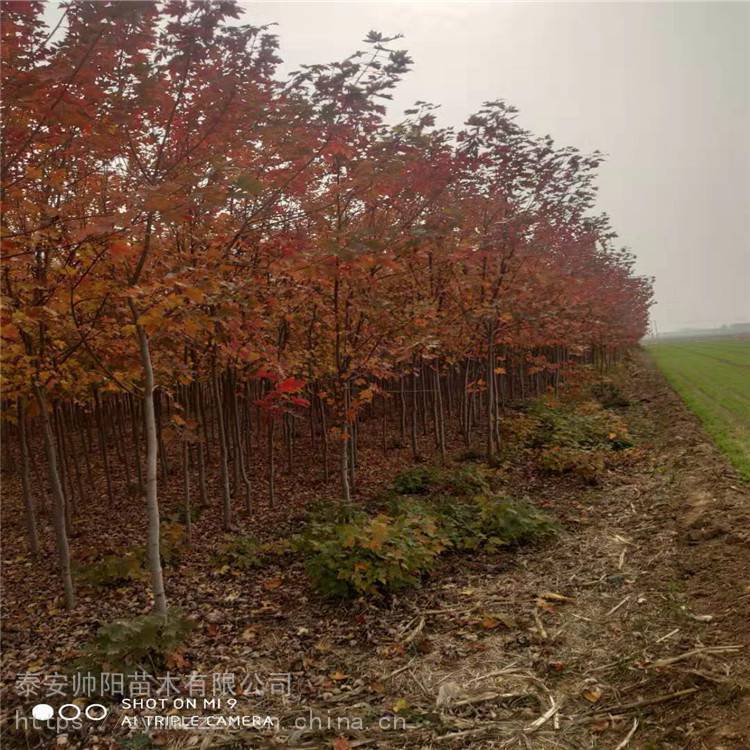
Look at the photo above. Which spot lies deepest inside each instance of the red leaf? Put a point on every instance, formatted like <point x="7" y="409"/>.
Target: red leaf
<point x="290" y="385"/>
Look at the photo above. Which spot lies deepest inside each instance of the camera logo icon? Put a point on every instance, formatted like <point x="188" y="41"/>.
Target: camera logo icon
<point x="69" y="712"/>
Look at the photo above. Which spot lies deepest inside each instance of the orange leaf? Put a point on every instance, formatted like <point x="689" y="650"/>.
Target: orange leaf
<point x="272" y="583"/>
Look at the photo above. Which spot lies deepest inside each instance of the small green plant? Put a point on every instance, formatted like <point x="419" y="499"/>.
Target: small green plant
<point x="135" y="742"/>
<point x="371" y="556"/>
<point x="587" y="464"/>
<point x="489" y="521"/>
<point x="464" y="482"/>
<point x="425" y="480"/>
<point x="585" y="425"/>
<point x="171" y="543"/>
<point x="112" y="571"/>
<point x="579" y="438"/>
<point x="328" y="510"/>
<point x="609" y="395"/>
<point x="144" y="641"/>
<point x="244" y="553"/>
<point x="119" y="569"/>
<point x="504" y="522"/>
<point x="416" y="481"/>
<point x="179" y="516"/>
<point x="460" y="523"/>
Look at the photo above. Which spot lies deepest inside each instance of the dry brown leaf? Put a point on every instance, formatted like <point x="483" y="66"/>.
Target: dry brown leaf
<point x="554" y="597"/>
<point x="592" y="694"/>
<point x="249" y="634"/>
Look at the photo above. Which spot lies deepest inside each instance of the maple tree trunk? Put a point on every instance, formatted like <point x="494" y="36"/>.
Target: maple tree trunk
<point x="324" y="437"/>
<point x="439" y="414"/>
<point x="385" y="426"/>
<point x="414" y="406"/>
<point x="67" y="436"/>
<point x="226" y="498"/>
<point x="122" y="438"/>
<point x="103" y="445"/>
<point x="58" y="513"/>
<point x="152" y="467"/>
<point x="65" y="479"/>
<point x="402" y="407"/>
<point x="239" y="456"/>
<point x="271" y="464"/>
<point x="163" y="464"/>
<point x="186" y="492"/>
<point x="28" y="499"/>
<point x="344" y="468"/>
<point x="136" y="441"/>
<point x="491" y="435"/>
<point x="200" y="447"/>
<point x="465" y="404"/>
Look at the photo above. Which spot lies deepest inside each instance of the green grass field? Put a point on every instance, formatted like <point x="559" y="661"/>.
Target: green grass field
<point x="713" y="378"/>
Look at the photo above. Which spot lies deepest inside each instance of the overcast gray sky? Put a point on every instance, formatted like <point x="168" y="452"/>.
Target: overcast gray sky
<point x="662" y="88"/>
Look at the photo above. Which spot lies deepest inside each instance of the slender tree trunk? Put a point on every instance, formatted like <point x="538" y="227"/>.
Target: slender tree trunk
<point x="324" y="437"/>
<point x="414" y="407"/>
<point x="152" y="468"/>
<point x="271" y="463"/>
<point x="239" y="448"/>
<point x="402" y="407"/>
<point x="199" y="448"/>
<point x="58" y="514"/>
<point x="136" y="442"/>
<point x="344" y="466"/>
<point x="66" y="478"/>
<point x="226" y="505"/>
<point x="28" y="499"/>
<point x="440" y="415"/>
<point x="186" y="492"/>
<point x="385" y="426"/>
<point x="490" y="393"/>
<point x="103" y="443"/>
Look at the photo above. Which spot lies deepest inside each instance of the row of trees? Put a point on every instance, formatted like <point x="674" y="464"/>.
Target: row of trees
<point x="192" y="244"/>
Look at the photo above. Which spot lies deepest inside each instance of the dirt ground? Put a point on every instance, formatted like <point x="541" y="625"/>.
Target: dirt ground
<point x="630" y="629"/>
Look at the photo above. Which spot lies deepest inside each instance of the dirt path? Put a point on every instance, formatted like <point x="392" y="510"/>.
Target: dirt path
<point x="630" y="630"/>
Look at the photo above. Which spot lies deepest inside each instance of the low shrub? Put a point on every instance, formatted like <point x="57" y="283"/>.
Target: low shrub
<point x="371" y="555"/>
<point x="504" y="522"/>
<point x="119" y="569"/>
<point x="145" y="641"/>
<point x="471" y="455"/>
<point x="112" y="571"/>
<point x="489" y="521"/>
<point x="585" y="463"/>
<point x="586" y="425"/>
<point x="609" y="395"/>
<point x="578" y="438"/>
<point x="244" y="553"/>
<point x="328" y="510"/>
<point x="459" y="521"/>
<point x="424" y="480"/>
<point x="179" y="516"/>
<point x="464" y="482"/>
<point x="518" y="430"/>
<point x="388" y="552"/>
<point x="416" y="481"/>
<point x="171" y="543"/>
